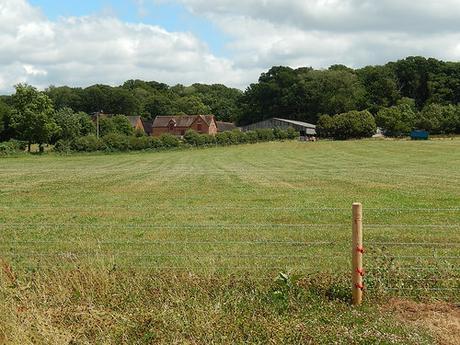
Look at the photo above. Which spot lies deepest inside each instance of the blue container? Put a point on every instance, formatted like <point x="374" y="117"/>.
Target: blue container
<point x="419" y="135"/>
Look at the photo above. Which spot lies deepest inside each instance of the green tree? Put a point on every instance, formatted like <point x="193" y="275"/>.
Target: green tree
<point x="349" y="125"/>
<point x="397" y="120"/>
<point x="65" y="96"/>
<point x="439" y="119"/>
<point x="122" y="125"/>
<point x="160" y="104"/>
<point x="381" y="86"/>
<point x="87" y="126"/>
<point x="69" y="124"/>
<point x="32" y="115"/>
<point x="106" y="126"/>
<point x="325" y="126"/>
<point x="192" y="105"/>
<point x="5" y="113"/>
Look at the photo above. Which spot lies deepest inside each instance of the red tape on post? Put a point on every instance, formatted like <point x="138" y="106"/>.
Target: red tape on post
<point x="360" y="271"/>
<point x="360" y="286"/>
<point x="360" y="250"/>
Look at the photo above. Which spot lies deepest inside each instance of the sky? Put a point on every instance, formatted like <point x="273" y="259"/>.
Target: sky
<point x="84" y="42"/>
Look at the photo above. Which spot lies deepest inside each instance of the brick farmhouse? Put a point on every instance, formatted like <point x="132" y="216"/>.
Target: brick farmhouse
<point x="179" y="124"/>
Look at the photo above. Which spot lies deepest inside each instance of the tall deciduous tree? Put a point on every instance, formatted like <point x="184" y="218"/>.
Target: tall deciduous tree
<point x="32" y="115"/>
<point x="69" y="124"/>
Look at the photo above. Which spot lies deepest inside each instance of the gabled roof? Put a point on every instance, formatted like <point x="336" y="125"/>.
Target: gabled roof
<point x="297" y="123"/>
<point x="181" y="120"/>
<point x="225" y="126"/>
<point x="147" y="126"/>
<point x="133" y="120"/>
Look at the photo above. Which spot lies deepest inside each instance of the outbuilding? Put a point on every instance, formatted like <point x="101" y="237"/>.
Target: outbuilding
<point x="179" y="124"/>
<point x="305" y="129"/>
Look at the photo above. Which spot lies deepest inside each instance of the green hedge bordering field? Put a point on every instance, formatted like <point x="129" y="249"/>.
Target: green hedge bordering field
<point x="116" y="142"/>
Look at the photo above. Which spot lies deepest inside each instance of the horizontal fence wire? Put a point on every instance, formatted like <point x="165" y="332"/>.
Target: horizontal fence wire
<point x="407" y="274"/>
<point x="431" y="279"/>
<point x="415" y="268"/>
<point x="421" y="288"/>
<point x="211" y="207"/>
<point x="435" y="253"/>
<point x="226" y="225"/>
<point x="130" y="242"/>
<point x="171" y="255"/>
<point x="447" y="244"/>
<point x="172" y="226"/>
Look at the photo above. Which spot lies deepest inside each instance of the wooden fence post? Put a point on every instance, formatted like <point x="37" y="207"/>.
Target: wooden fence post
<point x="357" y="254"/>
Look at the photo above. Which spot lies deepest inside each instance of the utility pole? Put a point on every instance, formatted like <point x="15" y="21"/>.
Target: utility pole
<point x="97" y="123"/>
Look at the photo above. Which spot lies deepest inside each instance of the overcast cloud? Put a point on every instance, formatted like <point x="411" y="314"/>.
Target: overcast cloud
<point x="319" y="33"/>
<point x="81" y="51"/>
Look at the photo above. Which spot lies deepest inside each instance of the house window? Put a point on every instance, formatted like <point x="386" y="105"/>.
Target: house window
<point x="199" y="127"/>
<point x="182" y="132"/>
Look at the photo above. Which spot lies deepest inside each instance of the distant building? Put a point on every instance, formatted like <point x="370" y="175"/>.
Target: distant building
<point x="225" y="126"/>
<point x="137" y="123"/>
<point x="305" y="129"/>
<point x="179" y="124"/>
<point x="148" y="126"/>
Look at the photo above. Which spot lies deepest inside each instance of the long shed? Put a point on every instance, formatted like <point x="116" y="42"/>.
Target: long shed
<point x="304" y="128"/>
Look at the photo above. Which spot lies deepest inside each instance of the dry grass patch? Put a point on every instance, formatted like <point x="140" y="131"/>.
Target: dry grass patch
<point x="441" y="319"/>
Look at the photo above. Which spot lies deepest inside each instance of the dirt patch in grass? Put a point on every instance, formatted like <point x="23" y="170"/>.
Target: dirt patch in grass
<point x="441" y="319"/>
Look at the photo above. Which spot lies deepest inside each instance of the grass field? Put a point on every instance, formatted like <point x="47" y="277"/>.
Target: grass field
<point x="187" y="246"/>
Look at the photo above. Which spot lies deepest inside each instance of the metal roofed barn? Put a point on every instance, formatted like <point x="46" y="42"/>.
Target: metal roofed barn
<point x="304" y="128"/>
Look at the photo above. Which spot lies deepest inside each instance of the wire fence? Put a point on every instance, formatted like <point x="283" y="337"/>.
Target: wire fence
<point x="406" y="258"/>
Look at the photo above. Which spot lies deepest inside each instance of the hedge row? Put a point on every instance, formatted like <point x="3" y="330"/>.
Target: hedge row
<point x="114" y="142"/>
<point x="11" y="147"/>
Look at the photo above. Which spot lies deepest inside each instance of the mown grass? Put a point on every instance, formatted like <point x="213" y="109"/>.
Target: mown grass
<point x="187" y="246"/>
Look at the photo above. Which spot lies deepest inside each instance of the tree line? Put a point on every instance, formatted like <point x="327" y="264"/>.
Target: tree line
<point x="345" y="103"/>
<point x="411" y="93"/>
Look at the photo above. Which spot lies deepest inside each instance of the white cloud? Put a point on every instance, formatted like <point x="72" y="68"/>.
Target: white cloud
<point x="319" y="33"/>
<point x="80" y="51"/>
<point x="32" y="70"/>
<point x="341" y="15"/>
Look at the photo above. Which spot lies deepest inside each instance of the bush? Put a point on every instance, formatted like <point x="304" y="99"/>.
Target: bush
<point x="325" y="126"/>
<point x="280" y="134"/>
<point x="209" y="139"/>
<point x="439" y="119"/>
<point x="12" y="146"/>
<point x="138" y="143"/>
<point x="122" y="125"/>
<point x="116" y="142"/>
<point x="223" y="138"/>
<point x="168" y="141"/>
<point x="238" y="137"/>
<point x="351" y="125"/>
<point x="265" y="134"/>
<point x="63" y="146"/>
<point x="154" y="142"/>
<point x="396" y="121"/>
<point x="89" y="143"/>
<point x="251" y="137"/>
<point x="292" y="133"/>
<point x="139" y="133"/>
<point x="193" y="138"/>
